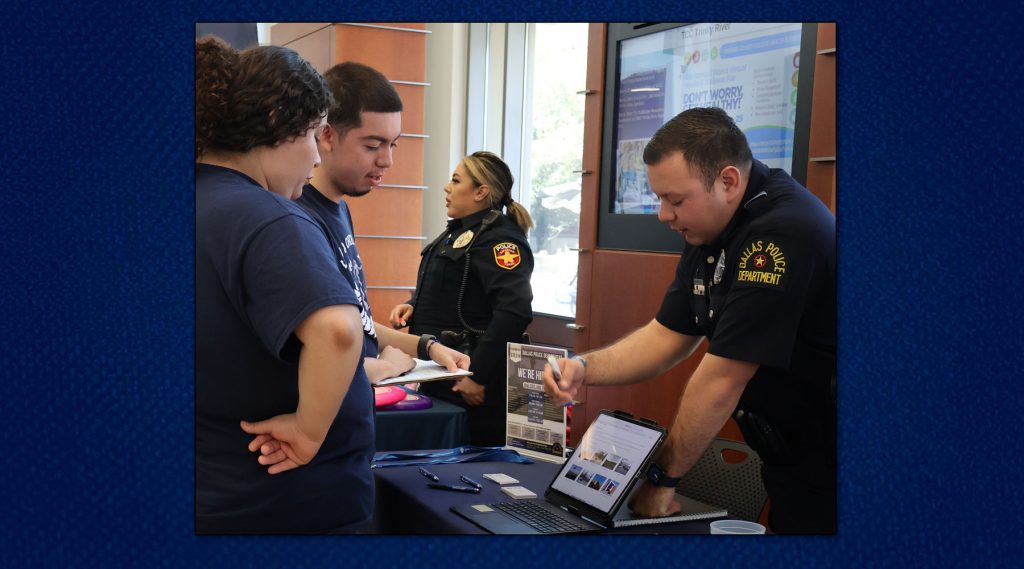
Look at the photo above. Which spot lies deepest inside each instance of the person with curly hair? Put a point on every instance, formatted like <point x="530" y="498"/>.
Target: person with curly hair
<point x="278" y="335"/>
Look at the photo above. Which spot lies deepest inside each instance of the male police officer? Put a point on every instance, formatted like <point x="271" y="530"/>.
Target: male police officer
<point x="757" y="279"/>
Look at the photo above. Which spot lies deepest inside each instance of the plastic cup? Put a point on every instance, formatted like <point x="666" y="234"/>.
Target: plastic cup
<point x="736" y="527"/>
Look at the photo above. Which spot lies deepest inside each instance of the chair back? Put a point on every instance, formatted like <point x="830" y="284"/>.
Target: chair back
<point x="736" y="487"/>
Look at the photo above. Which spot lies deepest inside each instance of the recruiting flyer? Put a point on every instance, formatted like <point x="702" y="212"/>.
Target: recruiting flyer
<point x="535" y="426"/>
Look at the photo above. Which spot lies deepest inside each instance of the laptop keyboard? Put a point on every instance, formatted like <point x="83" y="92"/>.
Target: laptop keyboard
<point x="537" y="517"/>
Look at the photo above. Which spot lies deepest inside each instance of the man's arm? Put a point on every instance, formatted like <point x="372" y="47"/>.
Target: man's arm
<point x="643" y="354"/>
<point x="639" y="356"/>
<point x="709" y="399"/>
<point x="331" y="347"/>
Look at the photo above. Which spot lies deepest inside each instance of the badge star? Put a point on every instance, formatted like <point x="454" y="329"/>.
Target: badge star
<point x="508" y="258"/>
<point x="759" y="261"/>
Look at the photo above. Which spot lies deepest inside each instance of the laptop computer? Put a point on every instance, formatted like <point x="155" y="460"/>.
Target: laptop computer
<point x="590" y="487"/>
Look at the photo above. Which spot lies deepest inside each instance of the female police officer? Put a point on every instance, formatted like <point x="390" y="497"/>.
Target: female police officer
<point x="473" y="290"/>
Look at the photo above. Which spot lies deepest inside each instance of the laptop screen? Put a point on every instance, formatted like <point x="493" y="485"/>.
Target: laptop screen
<point x="606" y="460"/>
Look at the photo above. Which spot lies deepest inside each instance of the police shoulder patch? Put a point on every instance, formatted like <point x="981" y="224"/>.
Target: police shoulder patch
<point x="762" y="263"/>
<point x="506" y="255"/>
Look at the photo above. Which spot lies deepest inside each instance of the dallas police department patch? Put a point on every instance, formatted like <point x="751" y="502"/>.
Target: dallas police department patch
<point x="762" y="264"/>
<point x="506" y="255"/>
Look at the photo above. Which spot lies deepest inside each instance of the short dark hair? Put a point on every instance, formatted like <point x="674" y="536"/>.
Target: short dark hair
<point x="709" y="140"/>
<point x="358" y="88"/>
<point x="261" y="96"/>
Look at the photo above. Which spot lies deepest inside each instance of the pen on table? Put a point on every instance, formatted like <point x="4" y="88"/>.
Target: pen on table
<point x="469" y="489"/>
<point x="429" y="474"/>
<point x="470" y="481"/>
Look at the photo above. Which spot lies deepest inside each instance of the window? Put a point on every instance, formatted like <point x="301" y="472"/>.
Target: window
<point x="541" y="138"/>
<point x="552" y="156"/>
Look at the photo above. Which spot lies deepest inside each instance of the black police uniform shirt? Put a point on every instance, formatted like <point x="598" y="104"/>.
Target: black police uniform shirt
<point x="497" y="297"/>
<point x="262" y="267"/>
<point x="765" y="292"/>
<point x="336" y="221"/>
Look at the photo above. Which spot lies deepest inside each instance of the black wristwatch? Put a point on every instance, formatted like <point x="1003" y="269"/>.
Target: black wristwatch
<point x="423" y="346"/>
<point x="656" y="476"/>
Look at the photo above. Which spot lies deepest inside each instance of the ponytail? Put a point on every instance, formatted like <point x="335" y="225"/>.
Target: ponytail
<point x="519" y="215"/>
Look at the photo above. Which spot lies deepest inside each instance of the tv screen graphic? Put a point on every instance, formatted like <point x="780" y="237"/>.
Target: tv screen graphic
<point x="750" y="70"/>
<point x="760" y="73"/>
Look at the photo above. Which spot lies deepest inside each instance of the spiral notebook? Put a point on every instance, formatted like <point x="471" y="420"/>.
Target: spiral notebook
<point x="690" y="510"/>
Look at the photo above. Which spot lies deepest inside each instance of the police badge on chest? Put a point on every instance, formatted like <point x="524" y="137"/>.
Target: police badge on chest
<point x="698" y="286"/>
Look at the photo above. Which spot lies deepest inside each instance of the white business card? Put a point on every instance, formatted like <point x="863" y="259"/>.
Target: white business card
<point x="500" y="478"/>
<point x="518" y="492"/>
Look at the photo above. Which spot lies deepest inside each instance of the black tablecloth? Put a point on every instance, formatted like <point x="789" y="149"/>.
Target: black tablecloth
<point x="442" y="426"/>
<point x="405" y="505"/>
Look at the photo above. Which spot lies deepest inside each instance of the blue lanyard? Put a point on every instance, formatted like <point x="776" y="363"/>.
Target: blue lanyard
<point x="451" y="456"/>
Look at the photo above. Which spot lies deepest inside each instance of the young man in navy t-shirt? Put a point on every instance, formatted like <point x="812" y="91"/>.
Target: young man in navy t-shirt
<point x="356" y="150"/>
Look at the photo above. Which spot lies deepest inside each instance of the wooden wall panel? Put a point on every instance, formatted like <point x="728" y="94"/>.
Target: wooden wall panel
<point x="826" y="35"/>
<point x="413" y="104"/>
<point x="382" y="300"/>
<point x="823" y="108"/>
<point x="399" y="55"/>
<point x="590" y="188"/>
<point x="388" y="211"/>
<point x="408" y="167"/>
<point x="389" y="262"/>
<point x="621" y="304"/>
<point x="821" y="166"/>
<point x="821" y="180"/>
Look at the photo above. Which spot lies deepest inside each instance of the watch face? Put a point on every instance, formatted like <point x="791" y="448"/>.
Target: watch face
<point x="654" y="474"/>
<point x="658" y="477"/>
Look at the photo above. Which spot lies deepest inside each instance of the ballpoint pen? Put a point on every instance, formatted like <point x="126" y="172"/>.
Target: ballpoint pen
<point x="468" y="489"/>
<point x="470" y="481"/>
<point x="429" y="474"/>
<point x="554" y="368"/>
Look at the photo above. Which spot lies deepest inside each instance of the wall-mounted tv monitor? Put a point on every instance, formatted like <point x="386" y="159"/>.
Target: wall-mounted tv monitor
<point x="760" y="73"/>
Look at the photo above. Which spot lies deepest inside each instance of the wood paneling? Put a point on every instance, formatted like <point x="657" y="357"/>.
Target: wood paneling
<point x="620" y="304"/>
<point x="821" y="180"/>
<point x="389" y="262"/>
<point x="388" y="211"/>
<point x="823" y="108"/>
<point x="413" y="97"/>
<point x="826" y="35"/>
<point x="383" y="300"/>
<point x="408" y="167"/>
<point x="821" y="174"/>
<point x="398" y="55"/>
<point x="592" y="124"/>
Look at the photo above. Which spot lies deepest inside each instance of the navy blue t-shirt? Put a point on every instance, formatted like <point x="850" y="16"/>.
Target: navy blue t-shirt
<point x="336" y="221"/>
<point x="262" y="267"/>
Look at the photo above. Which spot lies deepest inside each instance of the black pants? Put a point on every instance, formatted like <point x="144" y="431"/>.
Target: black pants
<point x="803" y="495"/>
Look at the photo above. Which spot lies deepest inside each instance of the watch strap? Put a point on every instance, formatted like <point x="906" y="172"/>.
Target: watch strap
<point x="423" y="346"/>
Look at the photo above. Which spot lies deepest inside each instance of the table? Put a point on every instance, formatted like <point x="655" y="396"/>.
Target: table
<point x="442" y="426"/>
<point x="406" y="506"/>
